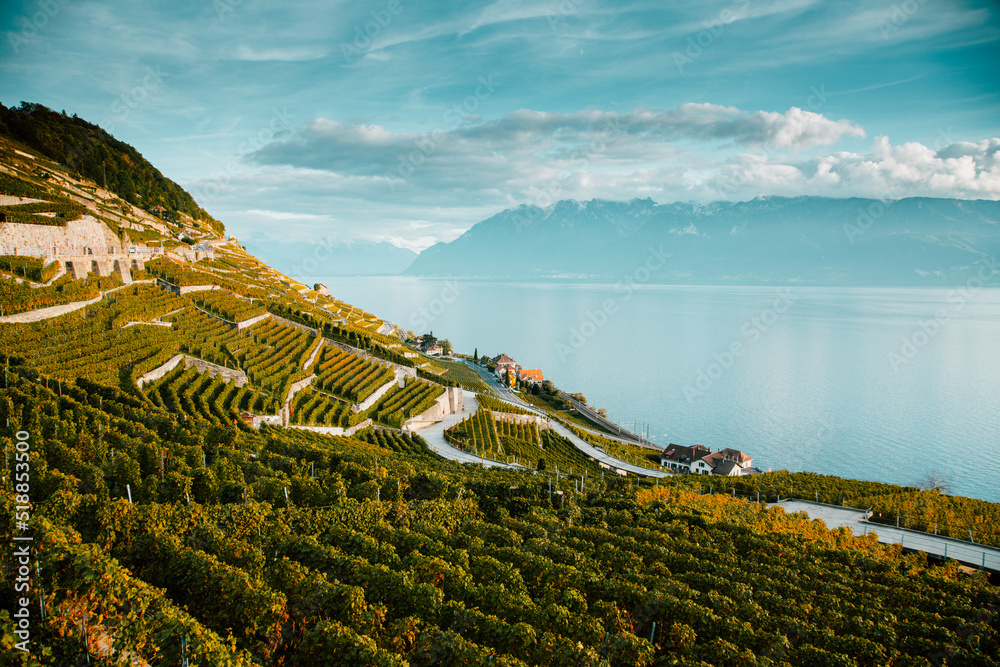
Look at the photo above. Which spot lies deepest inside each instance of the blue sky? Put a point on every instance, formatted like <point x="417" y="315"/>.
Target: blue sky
<point x="410" y="121"/>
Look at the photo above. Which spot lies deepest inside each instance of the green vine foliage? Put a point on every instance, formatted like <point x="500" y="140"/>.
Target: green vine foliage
<point x="285" y="547"/>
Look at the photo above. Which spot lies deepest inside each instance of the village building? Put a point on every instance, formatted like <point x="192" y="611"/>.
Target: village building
<point x="503" y="364"/>
<point x="530" y="375"/>
<point x="700" y="460"/>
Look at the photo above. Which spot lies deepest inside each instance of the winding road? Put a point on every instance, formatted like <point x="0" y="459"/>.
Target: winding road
<point x="434" y="436"/>
<point x="506" y="395"/>
<point x="974" y="555"/>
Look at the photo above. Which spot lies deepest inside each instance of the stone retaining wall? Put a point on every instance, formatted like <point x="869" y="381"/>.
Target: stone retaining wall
<point x="227" y="374"/>
<point x="334" y="430"/>
<point x="398" y="380"/>
<point x="512" y="418"/>
<point x="448" y="403"/>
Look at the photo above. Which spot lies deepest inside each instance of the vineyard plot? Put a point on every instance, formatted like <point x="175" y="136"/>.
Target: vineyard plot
<point x="90" y="343"/>
<point x="399" y="405"/>
<point x="289" y="547"/>
<point x="314" y="408"/>
<point x="645" y="457"/>
<point x="200" y="396"/>
<point x="272" y="354"/>
<point x="348" y="375"/>
<point x="228" y="306"/>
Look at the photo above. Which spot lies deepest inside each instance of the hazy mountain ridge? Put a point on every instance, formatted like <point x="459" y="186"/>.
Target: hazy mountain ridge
<point x="914" y="241"/>
<point x="324" y="257"/>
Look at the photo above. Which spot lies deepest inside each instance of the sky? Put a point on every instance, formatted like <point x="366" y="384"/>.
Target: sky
<point x="409" y="121"/>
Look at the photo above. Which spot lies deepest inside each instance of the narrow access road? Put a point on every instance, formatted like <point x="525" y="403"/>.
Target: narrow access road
<point x="577" y="441"/>
<point x="974" y="555"/>
<point x="601" y="457"/>
<point x="434" y="435"/>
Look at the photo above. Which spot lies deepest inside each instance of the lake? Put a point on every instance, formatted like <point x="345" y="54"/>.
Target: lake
<point x="868" y="383"/>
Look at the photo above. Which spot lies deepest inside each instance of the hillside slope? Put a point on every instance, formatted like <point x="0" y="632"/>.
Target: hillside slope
<point x="210" y="466"/>
<point x="86" y="150"/>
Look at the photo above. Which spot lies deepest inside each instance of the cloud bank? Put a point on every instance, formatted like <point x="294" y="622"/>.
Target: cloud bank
<point x="695" y="151"/>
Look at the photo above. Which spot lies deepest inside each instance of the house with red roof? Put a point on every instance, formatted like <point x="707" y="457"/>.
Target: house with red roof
<point x="532" y="375"/>
<point x="701" y="460"/>
<point x="503" y="363"/>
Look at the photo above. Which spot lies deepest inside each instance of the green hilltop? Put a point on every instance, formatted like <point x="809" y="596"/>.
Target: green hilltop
<point x="86" y="150"/>
<point x="213" y="465"/>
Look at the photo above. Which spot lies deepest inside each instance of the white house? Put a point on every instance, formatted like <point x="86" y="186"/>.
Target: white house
<point x="700" y="460"/>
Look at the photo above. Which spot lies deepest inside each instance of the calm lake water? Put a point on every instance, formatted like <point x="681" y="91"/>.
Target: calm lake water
<point x="879" y="384"/>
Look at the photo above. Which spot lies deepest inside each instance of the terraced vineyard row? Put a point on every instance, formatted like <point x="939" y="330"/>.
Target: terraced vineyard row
<point x="206" y="337"/>
<point x="307" y="550"/>
<point x="273" y="354"/>
<point x="18" y="298"/>
<point x="401" y="443"/>
<point x="465" y="377"/>
<point x="525" y="444"/>
<point x="400" y="404"/>
<point x="31" y="268"/>
<point x="476" y="433"/>
<point x="348" y="375"/>
<point x="634" y="454"/>
<point x="153" y="303"/>
<point x="177" y="274"/>
<point x="227" y="306"/>
<point x="313" y="408"/>
<point x="495" y="405"/>
<point x="57" y="212"/>
<point x="86" y="343"/>
<point x="198" y="395"/>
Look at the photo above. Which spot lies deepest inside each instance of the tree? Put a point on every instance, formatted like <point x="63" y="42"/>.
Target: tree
<point x="579" y="398"/>
<point x="475" y="355"/>
<point x="429" y="339"/>
<point x="445" y="346"/>
<point x="934" y="481"/>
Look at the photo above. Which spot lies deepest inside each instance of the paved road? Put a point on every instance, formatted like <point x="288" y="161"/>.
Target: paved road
<point x="587" y="413"/>
<point x="975" y="555"/>
<point x="434" y="435"/>
<point x="578" y="442"/>
<point x="590" y="450"/>
<point x="503" y="391"/>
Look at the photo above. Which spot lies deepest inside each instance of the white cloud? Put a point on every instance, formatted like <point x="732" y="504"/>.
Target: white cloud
<point x="537" y="144"/>
<point x="418" y="185"/>
<point x="277" y="53"/>
<point x="285" y="215"/>
<point x="962" y="170"/>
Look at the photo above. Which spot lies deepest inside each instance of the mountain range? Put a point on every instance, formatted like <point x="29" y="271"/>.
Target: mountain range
<point x="807" y="240"/>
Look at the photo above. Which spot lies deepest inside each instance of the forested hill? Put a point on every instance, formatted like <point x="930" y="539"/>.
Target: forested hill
<point x="89" y="151"/>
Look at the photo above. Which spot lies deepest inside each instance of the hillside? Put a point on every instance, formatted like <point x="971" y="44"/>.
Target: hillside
<point x="802" y="240"/>
<point x="210" y="461"/>
<point x="86" y="150"/>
